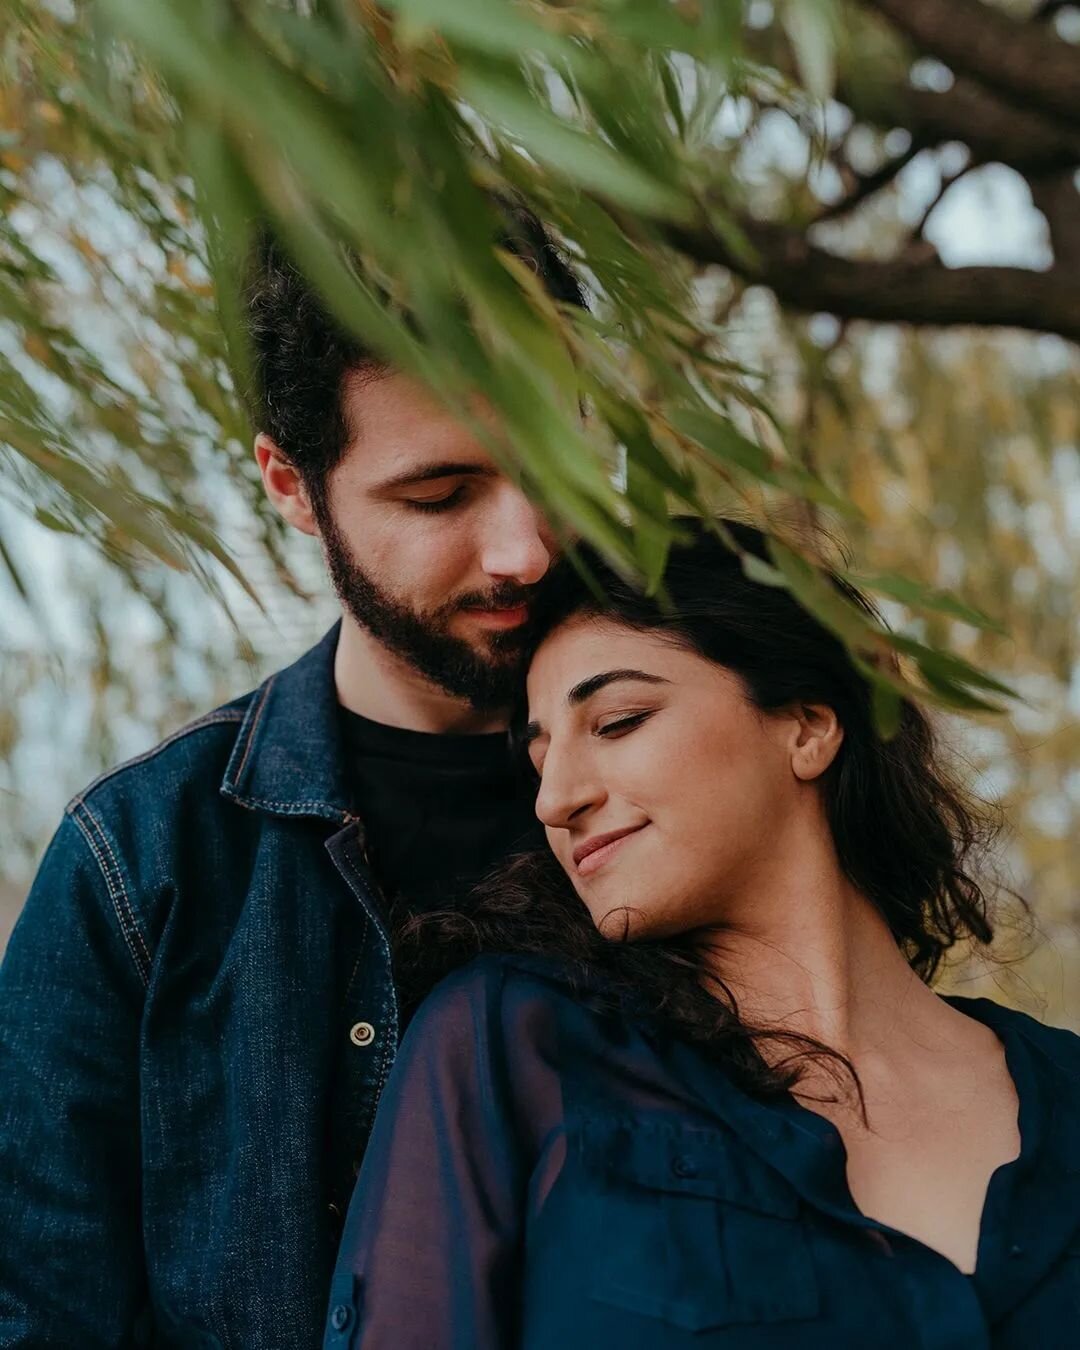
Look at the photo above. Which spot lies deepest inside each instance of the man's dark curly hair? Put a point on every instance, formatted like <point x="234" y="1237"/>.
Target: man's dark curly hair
<point x="300" y="354"/>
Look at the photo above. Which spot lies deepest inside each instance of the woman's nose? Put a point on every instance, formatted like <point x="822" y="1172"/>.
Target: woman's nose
<point x="567" y="789"/>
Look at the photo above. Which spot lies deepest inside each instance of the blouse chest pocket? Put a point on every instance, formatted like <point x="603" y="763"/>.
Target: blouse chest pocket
<point x="692" y="1230"/>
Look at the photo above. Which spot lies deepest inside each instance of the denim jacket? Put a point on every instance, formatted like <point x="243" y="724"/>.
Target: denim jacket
<point x="196" y="1020"/>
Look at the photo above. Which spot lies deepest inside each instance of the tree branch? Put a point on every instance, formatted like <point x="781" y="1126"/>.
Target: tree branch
<point x="991" y="128"/>
<point x="1049" y="8"/>
<point x="867" y="184"/>
<point x="994" y="132"/>
<point x="915" y="290"/>
<point x="946" y="183"/>
<point x="1024" y="61"/>
<point x="1056" y="196"/>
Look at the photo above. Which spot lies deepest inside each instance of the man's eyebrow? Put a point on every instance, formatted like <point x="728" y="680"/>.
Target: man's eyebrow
<point x="426" y="473"/>
<point x="582" y="692"/>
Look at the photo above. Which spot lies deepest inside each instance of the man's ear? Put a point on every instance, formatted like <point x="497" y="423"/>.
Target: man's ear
<point x="818" y="737"/>
<point x="284" y="486"/>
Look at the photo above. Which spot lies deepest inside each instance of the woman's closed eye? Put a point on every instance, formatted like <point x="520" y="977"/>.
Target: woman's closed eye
<point x="617" y="725"/>
<point x="623" y="723"/>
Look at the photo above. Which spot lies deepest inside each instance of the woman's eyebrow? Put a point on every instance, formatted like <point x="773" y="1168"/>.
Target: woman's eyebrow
<point x="585" y="690"/>
<point x="582" y="692"/>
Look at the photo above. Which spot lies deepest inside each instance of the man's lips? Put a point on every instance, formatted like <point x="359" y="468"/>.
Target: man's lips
<point x="507" y="616"/>
<point x="594" y="852"/>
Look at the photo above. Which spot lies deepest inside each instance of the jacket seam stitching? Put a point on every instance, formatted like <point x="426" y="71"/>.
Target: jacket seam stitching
<point x="125" y="913"/>
<point x="211" y="719"/>
<point x="256" y="717"/>
<point x="358" y="962"/>
<point x="289" y="808"/>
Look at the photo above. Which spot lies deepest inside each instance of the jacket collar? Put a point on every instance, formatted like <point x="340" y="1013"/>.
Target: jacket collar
<point x="288" y="759"/>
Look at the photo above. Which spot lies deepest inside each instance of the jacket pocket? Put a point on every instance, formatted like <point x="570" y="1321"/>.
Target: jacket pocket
<point x="692" y="1230"/>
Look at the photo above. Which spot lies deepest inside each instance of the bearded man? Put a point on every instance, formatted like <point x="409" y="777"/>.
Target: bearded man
<point x="197" y="1008"/>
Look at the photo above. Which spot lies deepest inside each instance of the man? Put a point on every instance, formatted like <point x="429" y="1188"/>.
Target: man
<point x="197" y="1010"/>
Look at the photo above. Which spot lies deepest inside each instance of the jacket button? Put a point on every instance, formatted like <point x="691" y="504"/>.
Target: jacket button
<point x="339" y="1318"/>
<point x="684" y="1166"/>
<point x="362" y="1033"/>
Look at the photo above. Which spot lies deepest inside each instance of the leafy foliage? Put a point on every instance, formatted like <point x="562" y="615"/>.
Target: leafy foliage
<point x="695" y="159"/>
<point x="386" y="135"/>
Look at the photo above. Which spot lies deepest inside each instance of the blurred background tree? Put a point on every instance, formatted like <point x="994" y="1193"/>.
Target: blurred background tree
<point x="833" y="251"/>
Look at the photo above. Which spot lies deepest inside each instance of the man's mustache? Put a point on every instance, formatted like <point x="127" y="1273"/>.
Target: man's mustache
<point x="507" y="595"/>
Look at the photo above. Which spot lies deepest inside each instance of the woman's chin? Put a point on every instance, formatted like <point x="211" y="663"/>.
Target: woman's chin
<point x="624" y="923"/>
<point x="635" y="923"/>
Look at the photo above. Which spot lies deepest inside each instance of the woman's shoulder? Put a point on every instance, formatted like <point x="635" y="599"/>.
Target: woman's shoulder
<point x="520" y="999"/>
<point x="506" y="1029"/>
<point x="1058" y="1045"/>
<point x="490" y="980"/>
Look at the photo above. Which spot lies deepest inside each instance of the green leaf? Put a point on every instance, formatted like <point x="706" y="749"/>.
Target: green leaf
<point x="14" y="573"/>
<point x="726" y="443"/>
<point x="669" y="82"/>
<point x="631" y="429"/>
<point x="494" y="26"/>
<point x="656" y="27"/>
<point x="815" y="591"/>
<point x="886" y="705"/>
<point x="716" y="434"/>
<point x="652" y="539"/>
<point x="954" y="695"/>
<point x="53" y="522"/>
<point x="757" y="569"/>
<point x="921" y="597"/>
<point x="570" y="153"/>
<point x="947" y="667"/>
<point x="809" y="25"/>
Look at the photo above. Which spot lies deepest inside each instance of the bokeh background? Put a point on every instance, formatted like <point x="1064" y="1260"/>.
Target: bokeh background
<point x="950" y="418"/>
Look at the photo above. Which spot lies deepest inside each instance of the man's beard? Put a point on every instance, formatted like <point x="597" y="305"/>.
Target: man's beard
<point x="487" y="680"/>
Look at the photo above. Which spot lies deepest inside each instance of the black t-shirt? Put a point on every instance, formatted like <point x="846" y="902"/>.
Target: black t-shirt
<point x="439" y="811"/>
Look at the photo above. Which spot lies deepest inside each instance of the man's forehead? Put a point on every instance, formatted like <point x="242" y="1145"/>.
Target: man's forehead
<point x="400" y="425"/>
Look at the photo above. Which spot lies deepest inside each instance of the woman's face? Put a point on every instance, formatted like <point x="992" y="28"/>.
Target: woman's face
<point x="666" y="795"/>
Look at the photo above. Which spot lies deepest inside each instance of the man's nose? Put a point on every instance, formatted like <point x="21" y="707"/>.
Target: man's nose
<point x="520" y="544"/>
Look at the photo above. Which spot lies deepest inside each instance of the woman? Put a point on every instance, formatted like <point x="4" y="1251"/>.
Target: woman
<point x="712" y="1101"/>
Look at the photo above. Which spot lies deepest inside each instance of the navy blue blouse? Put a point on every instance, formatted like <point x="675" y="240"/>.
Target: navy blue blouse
<point x="544" y="1176"/>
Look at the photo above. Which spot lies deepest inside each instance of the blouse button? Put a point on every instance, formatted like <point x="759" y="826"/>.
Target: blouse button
<point x="1016" y="1250"/>
<point x="684" y="1166"/>
<point x="361" y="1034"/>
<point x="339" y="1318"/>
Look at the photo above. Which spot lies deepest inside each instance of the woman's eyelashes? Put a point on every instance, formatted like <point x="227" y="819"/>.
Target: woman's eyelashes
<point x="619" y="725"/>
<point x="611" y="730"/>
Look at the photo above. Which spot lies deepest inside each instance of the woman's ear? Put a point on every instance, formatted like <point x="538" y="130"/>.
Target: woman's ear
<point x="818" y="738"/>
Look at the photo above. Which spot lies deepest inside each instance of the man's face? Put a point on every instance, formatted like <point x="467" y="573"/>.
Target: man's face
<point x="430" y="547"/>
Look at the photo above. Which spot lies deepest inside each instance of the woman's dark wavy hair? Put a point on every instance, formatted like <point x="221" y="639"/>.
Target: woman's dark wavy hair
<point x="907" y="835"/>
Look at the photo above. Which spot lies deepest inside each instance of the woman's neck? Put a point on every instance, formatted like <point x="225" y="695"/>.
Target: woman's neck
<point x="808" y="953"/>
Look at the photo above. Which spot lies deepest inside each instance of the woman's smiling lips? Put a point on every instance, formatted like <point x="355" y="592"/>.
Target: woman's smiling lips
<point x="594" y="852"/>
